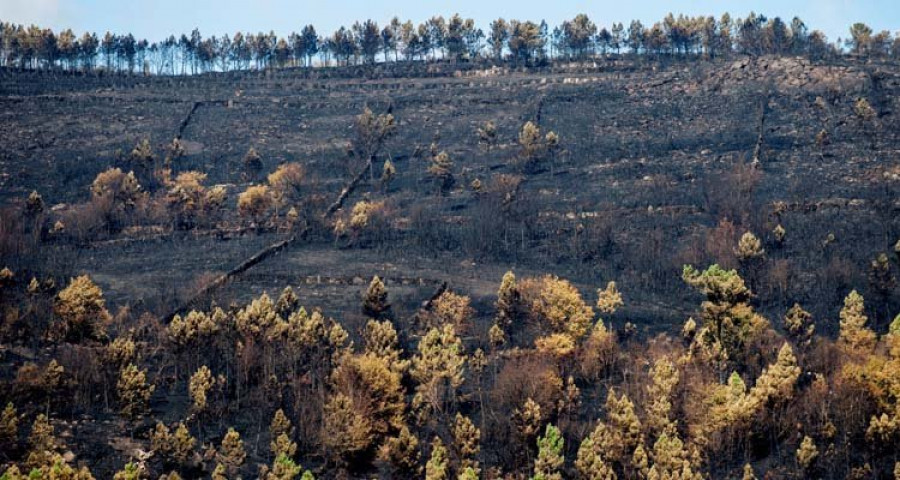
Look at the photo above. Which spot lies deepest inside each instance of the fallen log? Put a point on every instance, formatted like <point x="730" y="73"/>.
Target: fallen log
<point x="247" y="264"/>
<point x="347" y="191"/>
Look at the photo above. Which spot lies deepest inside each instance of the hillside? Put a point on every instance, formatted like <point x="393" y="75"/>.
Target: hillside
<point x="653" y="157"/>
<point x="659" y="164"/>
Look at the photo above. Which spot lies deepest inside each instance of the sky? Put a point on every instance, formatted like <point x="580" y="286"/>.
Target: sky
<point x="157" y="19"/>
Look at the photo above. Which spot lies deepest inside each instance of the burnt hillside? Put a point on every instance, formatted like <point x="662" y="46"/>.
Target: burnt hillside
<point x="149" y="227"/>
<point x="656" y="170"/>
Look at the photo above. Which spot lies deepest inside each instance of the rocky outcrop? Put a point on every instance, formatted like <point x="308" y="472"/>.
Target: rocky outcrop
<point x="789" y="73"/>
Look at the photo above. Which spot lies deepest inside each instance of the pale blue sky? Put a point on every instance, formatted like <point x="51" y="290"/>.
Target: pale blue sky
<point x="156" y="19"/>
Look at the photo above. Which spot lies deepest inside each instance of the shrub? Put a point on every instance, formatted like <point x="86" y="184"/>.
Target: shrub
<point x="255" y="203"/>
<point x="115" y="194"/>
<point x="252" y="164"/>
<point x="286" y="182"/>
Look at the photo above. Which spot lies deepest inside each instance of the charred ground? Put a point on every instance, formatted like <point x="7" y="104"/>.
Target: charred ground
<point x="660" y="164"/>
<point x="655" y="158"/>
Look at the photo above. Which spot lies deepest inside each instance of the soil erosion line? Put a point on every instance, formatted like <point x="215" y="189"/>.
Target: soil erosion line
<point x="761" y="125"/>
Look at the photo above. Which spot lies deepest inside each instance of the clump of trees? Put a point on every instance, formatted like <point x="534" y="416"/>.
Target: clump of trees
<point x="115" y="194"/>
<point x="546" y="373"/>
<point x="191" y="203"/>
<point x="452" y="39"/>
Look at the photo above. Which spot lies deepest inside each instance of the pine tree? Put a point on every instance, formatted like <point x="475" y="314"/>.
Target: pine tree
<point x="380" y="339"/>
<point x="41" y="442"/>
<point x="880" y="277"/>
<point x="609" y="299"/>
<point x="664" y="376"/>
<point x="467" y="441"/>
<point x="9" y="426"/>
<point x="115" y="193"/>
<point x="161" y="439"/>
<point x="280" y="432"/>
<point x="497" y="336"/>
<point x="530" y="145"/>
<point x="550" y="455"/>
<point x="287" y="302"/>
<point x="728" y="319"/>
<point x="438" y="367"/>
<point x="346" y="431"/>
<point x="52" y="377"/>
<point x="372" y="131"/>
<point x="507" y="304"/>
<point x="182" y="446"/>
<point x="121" y="352"/>
<point x="388" y="173"/>
<point x="528" y="420"/>
<point x="219" y="473"/>
<point x="799" y="325"/>
<point x="441" y="169"/>
<point x="468" y="474"/>
<point x="436" y="468"/>
<point x="749" y="474"/>
<point x="280" y="424"/>
<point x="640" y="462"/>
<point x="375" y="304"/>
<point x="402" y="453"/>
<point x="558" y="305"/>
<point x="776" y="382"/>
<point x="200" y="384"/>
<point x="487" y="135"/>
<point x="590" y="464"/>
<point x="142" y="155"/>
<point x="134" y="391"/>
<point x="34" y="287"/>
<point x="854" y="334"/>
<point x="863" y="110"/>
<point x="670" y="460"/>
<point x="556" y="344"/>
<point x="6" y="276"/>
<point x="34" y="204"/>
<point x="623" y="425"/>
<point x="258" y="318"/>
<point x="571" y="400"/>
<point x="286" y="182"/>
<point x="375" y="388"/>
<point x="131" y="471"/>
<point x="749" y="248"/>
<point x="283" y="468"/>
<point x="174" y="151"/>
<point x="779" y="233"/>
<point x="231" y="453"/>
<point x="807" y="454"/>
<point x="450" y="308"/>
